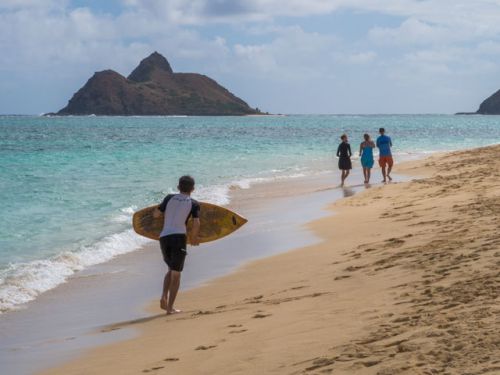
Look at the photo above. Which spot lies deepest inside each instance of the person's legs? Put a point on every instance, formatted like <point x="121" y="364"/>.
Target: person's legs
<point x="368" y="175"/>
<point x="345" y="173"/>
<point x="175" y="281"/>
<point x="382" y="164"/>
<point x="365" y="174"/>
<point x="166" y="287"/>
<point x="174" y="253"/>
<point x="389" y="169"/>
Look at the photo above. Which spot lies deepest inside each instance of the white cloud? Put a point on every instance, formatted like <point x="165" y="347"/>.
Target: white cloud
<point x="414" y="31"/>
<point x="31" y="4"/>
<point x="361" y="57"/>
<point x="441" y="41"/>
<point x="292" y="55"/>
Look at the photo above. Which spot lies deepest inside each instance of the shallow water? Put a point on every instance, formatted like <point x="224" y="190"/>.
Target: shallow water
<point x="69" y="185"/>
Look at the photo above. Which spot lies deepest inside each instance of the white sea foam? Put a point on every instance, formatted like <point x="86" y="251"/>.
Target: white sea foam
<point x="220" y="194"/>
<point x="23" y="282"/>
<point x="125" y="214"/>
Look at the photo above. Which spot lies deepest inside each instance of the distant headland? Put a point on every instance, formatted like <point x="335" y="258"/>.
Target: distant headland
<point x="490" y="106"/>
<point x="154" y="89"/>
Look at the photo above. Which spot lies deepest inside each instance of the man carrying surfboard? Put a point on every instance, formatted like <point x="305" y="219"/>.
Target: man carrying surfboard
<point x="178" y="209"/>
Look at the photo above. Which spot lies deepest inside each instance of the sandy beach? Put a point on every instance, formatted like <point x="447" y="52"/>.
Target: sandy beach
<point x="404" y="281"/>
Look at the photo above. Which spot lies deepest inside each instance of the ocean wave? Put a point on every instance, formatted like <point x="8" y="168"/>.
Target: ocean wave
<point x="125" y="214"/>
<point x="23" y="282"/>
<point x="221" y="194"/>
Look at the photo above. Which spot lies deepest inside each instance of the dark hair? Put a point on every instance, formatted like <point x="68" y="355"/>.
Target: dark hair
<point x="343" y="136"/>
<point x="366" y="136"/>
<point x="381" y="130"/>
<point x="186" y="184"/>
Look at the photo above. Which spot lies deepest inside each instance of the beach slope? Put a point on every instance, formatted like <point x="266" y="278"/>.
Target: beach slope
<point x="405" y="281"/>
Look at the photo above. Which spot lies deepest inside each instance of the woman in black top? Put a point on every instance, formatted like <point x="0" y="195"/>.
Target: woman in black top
<point x="344" y="154"/>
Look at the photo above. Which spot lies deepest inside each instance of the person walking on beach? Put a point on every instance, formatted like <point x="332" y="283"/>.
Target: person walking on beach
<point x="178" y="209"/>
<point x="366" y="152"/>
<point x="344" y="154"/>
<point x="384" y="144"/>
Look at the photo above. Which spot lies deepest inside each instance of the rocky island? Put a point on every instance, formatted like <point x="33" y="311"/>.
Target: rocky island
<point x="154" y="89"/>
<point x="490" y="106"/>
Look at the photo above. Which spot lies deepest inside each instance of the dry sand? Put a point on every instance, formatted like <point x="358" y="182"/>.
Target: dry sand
<point x="406" y="281"/>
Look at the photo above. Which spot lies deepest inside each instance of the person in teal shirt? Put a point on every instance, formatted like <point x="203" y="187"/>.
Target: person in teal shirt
<point x="366" y="152"/>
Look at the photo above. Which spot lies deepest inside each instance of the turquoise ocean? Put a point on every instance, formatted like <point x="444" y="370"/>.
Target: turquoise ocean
<point x="69" y="185"/>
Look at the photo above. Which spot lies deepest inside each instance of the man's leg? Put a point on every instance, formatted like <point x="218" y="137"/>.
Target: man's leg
<point x="166" y="287"/>
<point x="175" y="281"/>
<point x="382" y="166"/>
<point x="389" y="169"/>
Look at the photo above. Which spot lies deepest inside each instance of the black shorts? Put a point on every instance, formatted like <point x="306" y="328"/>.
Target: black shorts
<point x="173" y="248"/>
<point x="345" y="163"/>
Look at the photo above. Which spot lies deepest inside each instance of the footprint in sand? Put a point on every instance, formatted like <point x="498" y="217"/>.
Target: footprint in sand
<point x="353" y="268"/>
<point x="153" y="369"/>
<point x="202" y="312"/>
<point x="342" y="277"/>
<point x="235" y="325"/>
<point x="299" y="287"/>
<point x="319" y="363"/>
<point x="260" y="316"/>
<point x="109" y="329"/>
<point x="239" y="331"/>
<point x="171" y="359"/>
<point x="256" y="299"/>
<point x="203" y="347"/>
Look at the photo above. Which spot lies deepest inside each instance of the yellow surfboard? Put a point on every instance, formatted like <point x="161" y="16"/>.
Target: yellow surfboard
<point x="216" y="222"/>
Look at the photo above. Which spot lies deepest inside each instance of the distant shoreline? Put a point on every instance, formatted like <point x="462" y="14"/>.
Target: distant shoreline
<point x="53" y="114"/>
<point x="400" y="253"/>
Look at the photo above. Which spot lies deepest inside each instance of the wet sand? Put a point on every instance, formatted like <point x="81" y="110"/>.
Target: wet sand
<point x="64" y="322"/>
<point x="404" y="281"/>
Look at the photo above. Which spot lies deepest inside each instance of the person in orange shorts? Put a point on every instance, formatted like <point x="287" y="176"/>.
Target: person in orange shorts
<point x="384" y="144"/>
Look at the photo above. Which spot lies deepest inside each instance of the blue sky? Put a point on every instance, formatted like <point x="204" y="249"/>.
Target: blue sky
<point x="283" y="56"/>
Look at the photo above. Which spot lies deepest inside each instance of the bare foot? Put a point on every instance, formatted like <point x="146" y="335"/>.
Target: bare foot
<point x="173" y="311"/>
<point x="163" y="304"/>
<point x="384" y="181"/>
<point x="389" y="177"/>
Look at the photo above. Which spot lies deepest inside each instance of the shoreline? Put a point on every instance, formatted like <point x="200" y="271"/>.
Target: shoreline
<point x="380" y="301"/>
<point x="45" y="331"/>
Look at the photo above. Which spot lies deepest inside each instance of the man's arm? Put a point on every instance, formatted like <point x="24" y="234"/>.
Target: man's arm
<point x="157" y="213"/>
<point x="160" y="210"/>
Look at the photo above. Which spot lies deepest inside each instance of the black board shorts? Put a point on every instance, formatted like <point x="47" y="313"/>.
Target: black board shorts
<point x="173" y="248"/>
<point x="345" y="163"/>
